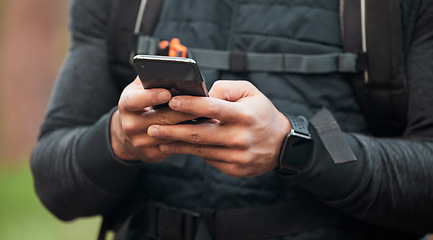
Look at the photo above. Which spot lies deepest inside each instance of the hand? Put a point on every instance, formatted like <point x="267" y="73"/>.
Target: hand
<point x="244" y="137"/>
<point x="129" y="123"/>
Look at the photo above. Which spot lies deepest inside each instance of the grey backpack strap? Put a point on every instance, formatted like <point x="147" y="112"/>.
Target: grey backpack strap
<point x="256" y="62"/>
<point x="374" y="28"/>
<point x="275" y="62"/>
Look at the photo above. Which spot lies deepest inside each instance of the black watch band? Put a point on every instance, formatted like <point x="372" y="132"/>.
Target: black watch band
<point x="299" y="125"/>
<point x="296" y="148"/>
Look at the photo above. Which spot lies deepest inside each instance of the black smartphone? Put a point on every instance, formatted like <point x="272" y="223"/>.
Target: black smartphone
<point x="180" y="76"/>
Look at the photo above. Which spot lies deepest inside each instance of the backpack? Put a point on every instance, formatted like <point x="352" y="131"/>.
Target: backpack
<point x="376" y="37"/>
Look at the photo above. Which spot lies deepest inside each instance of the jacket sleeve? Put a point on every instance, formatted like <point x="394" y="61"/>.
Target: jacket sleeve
<point x="390" y="184"/>
<point x="75" y="171"/>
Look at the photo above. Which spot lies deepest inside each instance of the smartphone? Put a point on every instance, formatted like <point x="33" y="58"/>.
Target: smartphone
<point x="180" y="76"/>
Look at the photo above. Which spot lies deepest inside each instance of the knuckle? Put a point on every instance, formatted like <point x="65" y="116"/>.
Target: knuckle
<point x="129" y="127"/>
<point x="235" y="171"/>
<point x="221" y="85"/>
<point x="236" y="158"/>
<point x="199" y="150"/>
<point x="136" y="142"/>
<point x="121" y="105"/>
<point x="127" y="102"/>
<point x="242" y="141"/>
<point x="243" y="159"/>
<point x="154" y="156"/>
<point x="247" y="116"/>
<point x="140" y="142"/>
<point x="194" y="137"/>
<point x="162" y="119"/>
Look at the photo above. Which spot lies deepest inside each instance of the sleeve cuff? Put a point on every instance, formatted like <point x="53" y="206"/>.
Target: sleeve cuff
<point x="96" y="159"/>
<point x="325" y="177"/>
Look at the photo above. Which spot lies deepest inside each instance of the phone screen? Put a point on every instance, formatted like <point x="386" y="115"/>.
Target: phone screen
<point x="180" y="76"/>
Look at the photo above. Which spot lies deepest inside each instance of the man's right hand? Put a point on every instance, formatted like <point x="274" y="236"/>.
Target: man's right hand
<point x="129" y="123"/>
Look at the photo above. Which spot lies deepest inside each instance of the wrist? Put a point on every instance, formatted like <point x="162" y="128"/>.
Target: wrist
<point x="296" y="148"/>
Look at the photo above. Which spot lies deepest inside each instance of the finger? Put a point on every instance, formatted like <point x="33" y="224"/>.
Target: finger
<point x="218" y="153"/>
<point x="222" y="110"/>
<point x="135" y="98"/>
<point x="232" y="162"/>
<point x="153" y="155"/>
<point x="134" y="123"/>
<point x="205" y="133"/>
<point x="141" y="141"/>
<point x="166" y="116"/>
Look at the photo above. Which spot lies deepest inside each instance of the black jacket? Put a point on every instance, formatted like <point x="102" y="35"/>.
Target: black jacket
<point x="76" y="173"/>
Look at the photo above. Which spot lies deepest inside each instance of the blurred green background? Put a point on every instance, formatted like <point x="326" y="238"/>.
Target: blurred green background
<point x="23" y="217"/>
<point x="33" y="42"/>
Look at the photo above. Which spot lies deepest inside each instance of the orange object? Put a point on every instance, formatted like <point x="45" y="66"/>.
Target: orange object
<point x="177" y="49"/>
<point x="163" y="44"/>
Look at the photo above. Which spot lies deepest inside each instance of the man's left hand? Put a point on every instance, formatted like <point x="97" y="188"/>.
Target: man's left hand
<point x="243" y="137"/>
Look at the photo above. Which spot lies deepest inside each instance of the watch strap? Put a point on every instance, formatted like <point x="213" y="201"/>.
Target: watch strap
<point x="299" y="125"/>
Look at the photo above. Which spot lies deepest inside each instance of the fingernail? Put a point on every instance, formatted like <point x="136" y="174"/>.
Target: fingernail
<point x="152" y="131"/>
<point x="174" y="103"/>
<point x="164" y="148"/>
<point x="163" y="96"/>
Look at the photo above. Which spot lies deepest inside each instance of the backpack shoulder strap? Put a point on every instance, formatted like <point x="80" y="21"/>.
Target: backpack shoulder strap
<point x="375" y="28"/>
<point x="128" y="19"/>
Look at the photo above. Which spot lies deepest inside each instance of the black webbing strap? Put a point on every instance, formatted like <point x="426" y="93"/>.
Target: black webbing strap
<point x="151" y="16"/>
<point x="381" y="91"/>
<point x="158" y="221"/>
<point x="121" y="39"/>
<point x="278" y="220"/>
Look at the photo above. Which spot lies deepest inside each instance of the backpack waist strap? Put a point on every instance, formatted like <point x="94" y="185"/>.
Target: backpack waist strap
<point x="158" y="221"/>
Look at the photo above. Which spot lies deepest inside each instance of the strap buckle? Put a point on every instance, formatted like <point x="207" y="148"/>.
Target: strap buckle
<point x="163" y="222"/>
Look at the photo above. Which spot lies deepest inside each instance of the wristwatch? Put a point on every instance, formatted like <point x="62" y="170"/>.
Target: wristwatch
<point x="296" y="148"/>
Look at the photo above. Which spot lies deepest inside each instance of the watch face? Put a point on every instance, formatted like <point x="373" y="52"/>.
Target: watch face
<point x="297" y="152"/>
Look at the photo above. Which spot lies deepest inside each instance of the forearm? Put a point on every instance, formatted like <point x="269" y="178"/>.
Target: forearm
<point x="385" y="186"/>
<point x="394" y="190"/>
<point x="59" y="182"/>
<point x="75" y="173"/>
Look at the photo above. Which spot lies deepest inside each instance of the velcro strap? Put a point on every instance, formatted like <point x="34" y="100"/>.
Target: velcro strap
<point x="332" y="138"/>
